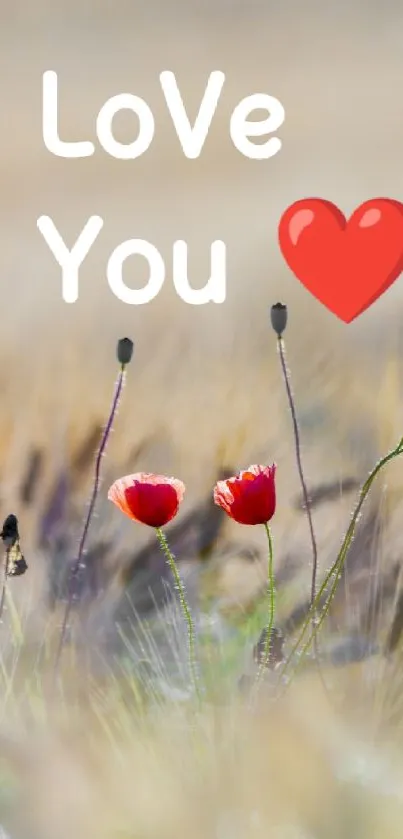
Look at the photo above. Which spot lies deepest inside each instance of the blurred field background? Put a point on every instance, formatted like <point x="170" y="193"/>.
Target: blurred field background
<point x="205" y="384"/>
<point x="204" y="390"/>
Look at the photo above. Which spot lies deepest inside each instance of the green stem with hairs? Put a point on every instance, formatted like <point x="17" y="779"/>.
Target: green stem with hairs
<point x="272" y="604"/>
<point x="184" y="606"/>
<point x="4" y="586"/>
<point x="337" y="566"/>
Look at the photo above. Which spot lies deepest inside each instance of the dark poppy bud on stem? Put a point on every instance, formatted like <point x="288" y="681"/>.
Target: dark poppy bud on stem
<point x="125" y="350"/>
<point x="276" y="655"/>
<point x="9" y="533"/>
<point x="279" y="316"/>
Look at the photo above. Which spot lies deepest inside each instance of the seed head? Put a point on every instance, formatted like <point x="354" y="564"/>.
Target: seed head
<point x="124" y="350"/>
<point x="279" y="314"/>
<point x="9" y="533"/>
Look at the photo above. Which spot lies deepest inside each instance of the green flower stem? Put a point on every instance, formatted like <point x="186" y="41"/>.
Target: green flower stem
<point x="337" y="567"/>
<point x="4" y="586"/>
<point x="272" y="604"/>
<point x="184" y="605"/>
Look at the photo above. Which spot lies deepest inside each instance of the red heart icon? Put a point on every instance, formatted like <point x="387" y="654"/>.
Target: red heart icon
<point x="346" y="265"/>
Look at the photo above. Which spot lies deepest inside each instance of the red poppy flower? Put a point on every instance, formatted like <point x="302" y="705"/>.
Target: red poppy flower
<point x="147" y="498"/>
<point x="250" y="497"/>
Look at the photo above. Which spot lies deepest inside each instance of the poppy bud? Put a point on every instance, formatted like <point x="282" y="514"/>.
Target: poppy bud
<point x="9" y="533"/>
<point x="276" y="653"/>
<point x="124" y="350"/>
<point x="278" y="316"/>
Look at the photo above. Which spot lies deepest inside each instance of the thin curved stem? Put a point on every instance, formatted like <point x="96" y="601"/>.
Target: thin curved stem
<point x="184" y="606"/>
<point x="94" y="495"/>
<point x="307" y="503"/>
<point x="337" y="567"/>
<point x="272" y="605"/>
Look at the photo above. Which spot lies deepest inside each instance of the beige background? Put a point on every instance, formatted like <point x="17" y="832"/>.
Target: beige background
<point x="204" y="388"/>
<point x="204" y="381"/>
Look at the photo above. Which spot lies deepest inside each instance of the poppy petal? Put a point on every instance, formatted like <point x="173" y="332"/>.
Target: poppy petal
<point x="148" y="498"/>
